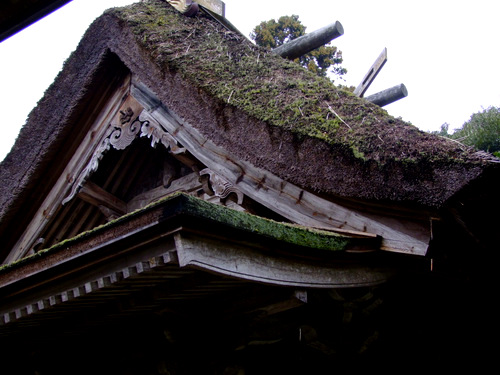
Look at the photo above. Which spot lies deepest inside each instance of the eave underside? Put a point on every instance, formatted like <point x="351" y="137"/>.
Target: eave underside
<point x="152" y="284"/>
<point x="151" y="248"/>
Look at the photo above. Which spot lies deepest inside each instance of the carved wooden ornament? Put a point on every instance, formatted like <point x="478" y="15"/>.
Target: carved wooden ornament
<point x="120" y="137"/>
<point x="221" y="187"/>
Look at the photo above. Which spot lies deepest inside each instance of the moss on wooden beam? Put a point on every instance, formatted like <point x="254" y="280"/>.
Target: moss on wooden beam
<point x="283" y="232"/>
<point x="180" y="204"/>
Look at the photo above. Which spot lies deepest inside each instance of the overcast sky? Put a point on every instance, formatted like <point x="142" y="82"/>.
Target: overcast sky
<point x="445" y="52"/>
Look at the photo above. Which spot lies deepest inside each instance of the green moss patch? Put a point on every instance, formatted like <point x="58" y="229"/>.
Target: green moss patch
<point x="274" y="90"/>
<point x="284" y="232"/>
<point x="189" y="206"/>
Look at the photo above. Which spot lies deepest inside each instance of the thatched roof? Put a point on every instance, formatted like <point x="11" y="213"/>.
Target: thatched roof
<point x="253" y="103"/>
<point x="271" y="113"/>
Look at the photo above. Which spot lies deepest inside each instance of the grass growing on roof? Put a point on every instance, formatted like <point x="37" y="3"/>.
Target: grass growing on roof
<point x="274" y="90"/>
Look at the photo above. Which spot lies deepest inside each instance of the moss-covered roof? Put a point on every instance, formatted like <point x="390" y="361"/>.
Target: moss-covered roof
<point x="381" y="149"/>
<point x="276" y="90"/>
<point x="210" y="214"/>
<point x="248" y="101"/>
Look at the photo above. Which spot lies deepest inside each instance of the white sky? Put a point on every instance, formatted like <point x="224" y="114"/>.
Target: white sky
<point x="445" y="52"/>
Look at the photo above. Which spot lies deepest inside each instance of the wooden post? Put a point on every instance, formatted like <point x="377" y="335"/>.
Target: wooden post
<point x="372" y="73"/>
<point x="388" y="96"/>
<point x="306" y="43"/>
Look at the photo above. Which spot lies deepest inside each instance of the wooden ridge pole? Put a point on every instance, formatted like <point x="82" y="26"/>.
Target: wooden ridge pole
<point x="306" y="43"/>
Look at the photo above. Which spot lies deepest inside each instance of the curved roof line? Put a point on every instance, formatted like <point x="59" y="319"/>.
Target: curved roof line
<point x="258" y="106"/>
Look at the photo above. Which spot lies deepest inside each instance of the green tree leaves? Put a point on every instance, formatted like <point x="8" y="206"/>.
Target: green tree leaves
<point x="274" y="33"/>
<point x="482" y="131"/>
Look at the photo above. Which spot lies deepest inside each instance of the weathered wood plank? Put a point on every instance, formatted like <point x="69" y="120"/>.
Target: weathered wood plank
<point x="97" y="196"/>
<point x="216" y="6"/>
<point x="246" y="263"/>
<point x="372" y="73"/>
<point x="186" y="184"/>
<point x="281" y="196"/>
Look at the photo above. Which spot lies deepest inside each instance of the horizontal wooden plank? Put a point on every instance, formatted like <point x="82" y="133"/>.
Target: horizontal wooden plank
<point x="250" y="264"/>
<point x="186" y="184"/>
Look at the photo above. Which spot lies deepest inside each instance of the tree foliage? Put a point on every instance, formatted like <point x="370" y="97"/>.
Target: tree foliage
<point x="482" y="131"/>
<point x="272" y="34"/>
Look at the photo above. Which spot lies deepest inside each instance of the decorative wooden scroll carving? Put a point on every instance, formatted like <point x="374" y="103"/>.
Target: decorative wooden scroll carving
<point x="120" y="137"/>
<point x="91" y="166"/>
<point x="152" y="129"/>
<point x="221" y="187"/>
<point x="123" y="136"/>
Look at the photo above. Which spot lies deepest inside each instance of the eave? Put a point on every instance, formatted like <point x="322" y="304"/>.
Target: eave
<point x="178" y="237"/>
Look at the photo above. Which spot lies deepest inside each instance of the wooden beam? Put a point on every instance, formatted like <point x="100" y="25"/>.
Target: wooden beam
<point x="388" y="96"/>
<point x="248" y="263"/>
<point x="188" y="184"/>
<point x="284" y="198"/>
<point x="280" y="306"/>
<point x="372" y="73"/>
<point x="97" y="196"/>
<point x="309" y="42"/>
